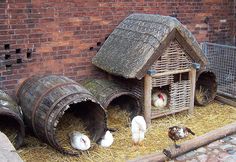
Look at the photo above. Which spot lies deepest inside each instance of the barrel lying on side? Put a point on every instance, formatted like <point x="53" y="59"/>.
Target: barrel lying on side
<point x="206" y="88"/>
<point x="110" y="92"/>
<point x="44" y="100"/>
<point x="11" y="118"/>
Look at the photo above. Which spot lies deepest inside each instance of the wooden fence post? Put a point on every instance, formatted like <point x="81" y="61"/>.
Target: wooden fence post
<point x="147" y="98"/>
<point x="192" y="77"/>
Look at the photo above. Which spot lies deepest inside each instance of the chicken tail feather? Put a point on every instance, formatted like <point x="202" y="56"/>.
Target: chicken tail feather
<point x="190" y="131"/>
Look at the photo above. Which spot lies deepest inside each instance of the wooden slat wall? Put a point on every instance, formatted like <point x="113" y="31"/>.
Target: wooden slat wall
<point x="174" y="58"/>
<point x="180" y="95"/>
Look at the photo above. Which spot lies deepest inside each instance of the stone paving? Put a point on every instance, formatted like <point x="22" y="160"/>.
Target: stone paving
<point x="223" y="150"/>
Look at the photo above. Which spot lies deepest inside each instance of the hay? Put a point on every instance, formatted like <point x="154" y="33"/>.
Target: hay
<point x="202" y="121"/>
<point x="67" y="124"/>
<point x="202" y="94"/>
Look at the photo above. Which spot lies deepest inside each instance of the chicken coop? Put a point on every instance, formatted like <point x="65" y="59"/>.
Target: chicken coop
<point x="222" y="62"/>
<point x="160" y="54"/>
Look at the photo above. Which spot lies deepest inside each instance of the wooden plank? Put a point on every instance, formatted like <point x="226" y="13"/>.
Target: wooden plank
<point x="160" y="114"/>
<point x="225" y="100"/>
<point x="190" y="144"/>
<point x="170" y="73"/>
<point x="147" y="98"/>
<point x="192" y="77"/>
<point x="226" y="94"/>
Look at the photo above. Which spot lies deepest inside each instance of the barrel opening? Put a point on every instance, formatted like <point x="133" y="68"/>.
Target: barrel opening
<point x="86" y="117"/>
<point x="206" y="88"/>
<point x="128" y="103"/>
<point x="11" y="128"/>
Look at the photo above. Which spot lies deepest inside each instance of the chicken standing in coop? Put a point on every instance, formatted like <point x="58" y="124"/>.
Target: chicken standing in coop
<point x="138" y="129"/>
<point x="175" y="133"/>
<point x="79" y="141"/>
<point x="159" y="99"/>
<point x="106" y="140"/>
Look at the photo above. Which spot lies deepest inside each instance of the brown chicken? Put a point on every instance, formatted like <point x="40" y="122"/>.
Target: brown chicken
<point x="175" y="133"/>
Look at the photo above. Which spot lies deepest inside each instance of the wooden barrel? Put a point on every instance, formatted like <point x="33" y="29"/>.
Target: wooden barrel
<point x="11" y="112"/>
<point x="206" y="88"/>
<point x="116" y="92"/>
<point x="44" y="100"/>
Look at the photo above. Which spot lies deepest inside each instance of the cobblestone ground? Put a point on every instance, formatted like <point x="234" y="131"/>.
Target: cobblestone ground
<point x="223" y="150"/>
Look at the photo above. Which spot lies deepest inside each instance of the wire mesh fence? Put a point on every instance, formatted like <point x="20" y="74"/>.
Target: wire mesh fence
<point x="222" y="61"/>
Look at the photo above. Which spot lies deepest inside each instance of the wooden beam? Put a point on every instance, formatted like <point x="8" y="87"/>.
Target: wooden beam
<point x="225" y="100"/>
<point x="227" y="95"/>
<point x="147" y="98"/>
<point x="161" y="114"/>
<point x="192" y="77"/>
<point x="190" y="144"/>
<point x="170" y="73"/>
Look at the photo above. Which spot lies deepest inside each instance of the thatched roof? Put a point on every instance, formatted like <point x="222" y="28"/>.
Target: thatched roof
<point x="138" y="41"/>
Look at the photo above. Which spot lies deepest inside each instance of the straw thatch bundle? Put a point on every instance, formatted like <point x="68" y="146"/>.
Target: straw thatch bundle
<point x="202" y="121"/>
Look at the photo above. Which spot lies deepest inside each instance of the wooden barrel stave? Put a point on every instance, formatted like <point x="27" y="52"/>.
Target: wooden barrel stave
<point x="44" y="111"/>
<point x="32" y="91"/>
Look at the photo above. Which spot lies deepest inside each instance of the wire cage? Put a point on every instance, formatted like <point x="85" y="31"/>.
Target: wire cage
<point x="222" y="61"/>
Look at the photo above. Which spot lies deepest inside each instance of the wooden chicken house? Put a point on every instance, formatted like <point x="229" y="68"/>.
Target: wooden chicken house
<point x="160" y="54"/>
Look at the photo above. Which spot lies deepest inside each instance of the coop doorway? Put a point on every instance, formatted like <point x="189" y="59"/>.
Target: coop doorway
<point x="160" y="99"/>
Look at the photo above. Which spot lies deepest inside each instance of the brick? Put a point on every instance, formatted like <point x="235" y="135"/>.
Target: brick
<point x="18" y="36"/>
<point x="35" y="35"/>
<point x="35" y="16"/>
<point x="23" y="1"/>
<point x="31" y="21"/>
<point x="3" y="27"/>
<point x="2" y="5"/>
<point x="10" y="82"/>
<point x="45" y="20"/>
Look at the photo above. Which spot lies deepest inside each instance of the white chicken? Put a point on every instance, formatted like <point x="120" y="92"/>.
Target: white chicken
<point x="138" y="129"/>
<point x="159" y="99"/>
<point x="107" y="139"/>
<point x="79" y="141"/>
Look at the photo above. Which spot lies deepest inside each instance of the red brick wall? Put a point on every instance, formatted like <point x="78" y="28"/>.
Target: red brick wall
<point x="61" y="36"/>
<point x="235" y="22"/>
